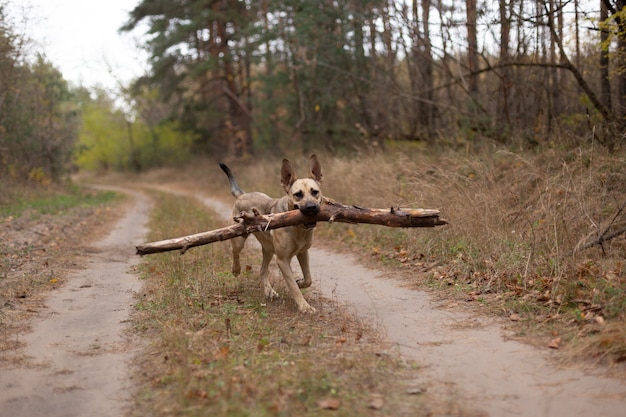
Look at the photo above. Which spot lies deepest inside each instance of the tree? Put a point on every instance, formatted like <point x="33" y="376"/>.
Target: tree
<point x="38" y="124"/>
<point x="472" y="48"/>
<point x="113" y="139"/>
<point x="200" y="56"/>
<point x="342" y="74"/>
<point x="605" y="78"/>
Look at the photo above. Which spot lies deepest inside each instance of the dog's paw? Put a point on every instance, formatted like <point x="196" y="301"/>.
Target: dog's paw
<point x="302" y="283"/>
<point x="307" y="309"/>
<point x="270" y="293"/>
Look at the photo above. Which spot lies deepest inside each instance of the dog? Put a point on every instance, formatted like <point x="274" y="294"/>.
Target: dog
<point x="301" y="194"/>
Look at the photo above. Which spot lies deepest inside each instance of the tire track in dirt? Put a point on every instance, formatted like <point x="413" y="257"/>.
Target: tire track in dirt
<point x="464" y="360"/>
<point x="77" y="352"/>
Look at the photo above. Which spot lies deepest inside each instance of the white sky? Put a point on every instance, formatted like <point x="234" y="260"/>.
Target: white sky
<point x="80" y="37"/>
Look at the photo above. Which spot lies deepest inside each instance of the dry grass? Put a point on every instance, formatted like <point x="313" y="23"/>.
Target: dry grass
<point x="219" y="348"/>
<point x="518" y="223"/>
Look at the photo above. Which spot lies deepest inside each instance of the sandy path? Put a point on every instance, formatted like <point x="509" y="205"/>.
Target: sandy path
<point x="78" y="354"/>
<point x="463" y="359"/>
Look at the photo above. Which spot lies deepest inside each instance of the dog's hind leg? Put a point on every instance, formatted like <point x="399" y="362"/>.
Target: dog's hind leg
<point x="303" y="260"/>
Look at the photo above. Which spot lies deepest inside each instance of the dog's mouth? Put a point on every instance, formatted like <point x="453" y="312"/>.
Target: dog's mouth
<point x="308" y="210"/>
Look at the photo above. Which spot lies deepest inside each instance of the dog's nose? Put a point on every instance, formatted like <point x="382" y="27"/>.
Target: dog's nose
<point x="309" y="209"/>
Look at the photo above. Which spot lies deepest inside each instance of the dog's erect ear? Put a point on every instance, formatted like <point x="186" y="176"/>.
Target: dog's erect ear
<point x="315" y="169"/>
<point x="287" y="175"/>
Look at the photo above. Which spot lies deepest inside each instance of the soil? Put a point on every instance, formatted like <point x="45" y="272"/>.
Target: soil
<point x="75" y="358"/>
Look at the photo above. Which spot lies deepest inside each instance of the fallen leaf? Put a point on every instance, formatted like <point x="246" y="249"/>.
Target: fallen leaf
<point x="415" y="390"/>
<point x="514" y="317"/>
<point x="599" y="319"/>
<point x="555" y="343"/>
<point x="376" y="402"/>
<point x="329" y="403"/>
<point x="222" y="352"/>
<point x="197" y="393"/>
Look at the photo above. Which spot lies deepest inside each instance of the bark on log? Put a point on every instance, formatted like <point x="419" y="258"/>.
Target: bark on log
<point x="250" y="222"/>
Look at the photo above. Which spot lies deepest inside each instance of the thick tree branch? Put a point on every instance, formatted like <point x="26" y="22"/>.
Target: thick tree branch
<point x="332" y="211"/>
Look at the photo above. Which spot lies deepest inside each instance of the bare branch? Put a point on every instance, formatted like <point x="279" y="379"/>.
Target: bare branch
<point x="250" y="222"/>
<point x="604" y="235"/>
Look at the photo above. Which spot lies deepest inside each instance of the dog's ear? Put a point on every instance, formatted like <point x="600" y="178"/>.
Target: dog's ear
<point x="315" y="169"/>
<point x="287" y="175"/>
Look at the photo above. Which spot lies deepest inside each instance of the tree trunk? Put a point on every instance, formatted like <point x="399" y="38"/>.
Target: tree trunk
<point x="472" y="48"/>
<point x="427" y="71"/>
<point x="621" y="63"/>
<point x="605" y="80"/>
<point x="329" y="212"/>
<point x="503" y="117"/>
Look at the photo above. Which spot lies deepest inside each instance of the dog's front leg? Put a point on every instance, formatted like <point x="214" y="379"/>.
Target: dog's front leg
<point x="284" y="264"/>
<point x="303" y="260"/>
<point x="265" y="280"/>
<point x="237" y="245"/>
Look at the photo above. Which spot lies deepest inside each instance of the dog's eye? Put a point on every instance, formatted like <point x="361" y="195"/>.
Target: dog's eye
<point x="314" y="192"/>
<point x="298" y="194"/>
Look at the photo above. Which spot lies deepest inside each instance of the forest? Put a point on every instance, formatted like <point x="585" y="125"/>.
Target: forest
<point x="246" y="77"/>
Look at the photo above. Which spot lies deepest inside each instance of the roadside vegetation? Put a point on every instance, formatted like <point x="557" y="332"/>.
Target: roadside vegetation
<point x="26" y="200"/>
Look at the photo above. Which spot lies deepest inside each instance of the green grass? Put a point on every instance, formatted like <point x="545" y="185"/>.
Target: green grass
<point x="219" y="348"/>
<point x="39" y="202"/>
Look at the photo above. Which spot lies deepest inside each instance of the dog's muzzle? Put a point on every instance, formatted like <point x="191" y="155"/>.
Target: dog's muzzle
<point x="310" y="209"/>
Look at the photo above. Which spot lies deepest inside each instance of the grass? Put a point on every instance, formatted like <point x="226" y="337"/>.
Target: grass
<point x="53" y="200"/>
<point x="517" y="223"/>
<point x="217" y="347"/>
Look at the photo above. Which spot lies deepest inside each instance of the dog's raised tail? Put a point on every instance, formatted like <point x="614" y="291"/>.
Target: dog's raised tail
<point x="234" y="187"/>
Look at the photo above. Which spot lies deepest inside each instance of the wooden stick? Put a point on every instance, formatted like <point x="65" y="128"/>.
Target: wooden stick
<point x="331" y="211"/>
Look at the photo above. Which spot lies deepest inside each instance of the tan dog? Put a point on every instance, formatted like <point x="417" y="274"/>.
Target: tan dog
<point x="302" y="194"/>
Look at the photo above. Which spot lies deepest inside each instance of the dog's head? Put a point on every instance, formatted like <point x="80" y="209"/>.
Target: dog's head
<point x="304" y="194"/>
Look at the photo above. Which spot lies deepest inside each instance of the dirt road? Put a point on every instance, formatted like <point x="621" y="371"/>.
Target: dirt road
<point x="79" y="354"/>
